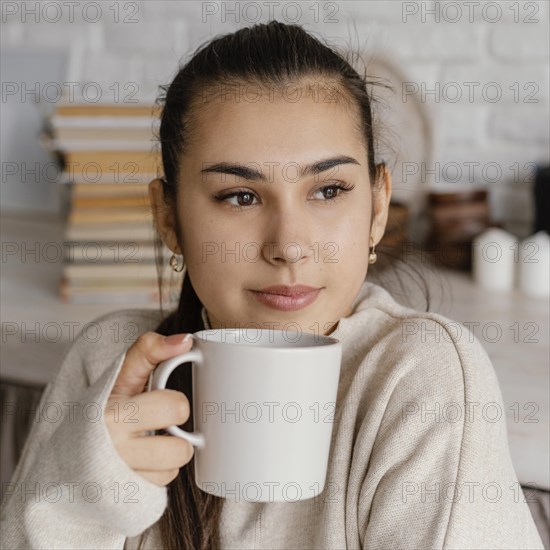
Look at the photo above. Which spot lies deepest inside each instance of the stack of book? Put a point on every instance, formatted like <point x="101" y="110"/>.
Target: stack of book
<point x="109" y="157"/>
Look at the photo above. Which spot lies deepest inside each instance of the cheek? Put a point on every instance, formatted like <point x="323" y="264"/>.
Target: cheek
<point x="194" y="229"/>
<point x="352" y="246"/>
<point x="352" y="236"/>
<point x="210" y="248"/>
<point x="195" y="223"/>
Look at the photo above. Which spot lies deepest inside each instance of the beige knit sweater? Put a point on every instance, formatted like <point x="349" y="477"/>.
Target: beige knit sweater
<point x="419" y="456"/>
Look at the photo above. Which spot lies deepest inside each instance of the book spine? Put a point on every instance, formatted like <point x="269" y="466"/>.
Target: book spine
<point x="121" y="233"/>
<point x="115" y="271"/>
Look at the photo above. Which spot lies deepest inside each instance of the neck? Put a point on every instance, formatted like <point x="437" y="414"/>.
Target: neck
<point x="205" y="318"/>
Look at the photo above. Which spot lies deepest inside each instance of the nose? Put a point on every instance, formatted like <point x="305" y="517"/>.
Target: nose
<point x="287" y="236"/>
<point x="289" y="252"/>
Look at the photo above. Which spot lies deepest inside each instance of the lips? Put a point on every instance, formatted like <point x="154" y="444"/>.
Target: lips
<point x="284" y="290"/>
<point x="287" y="298"/>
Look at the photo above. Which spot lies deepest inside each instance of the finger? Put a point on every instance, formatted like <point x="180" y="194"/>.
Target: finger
<point x="153" y="410"/>
<point x="156" y="453"/>
<point x="159" y="478"/>
<point x="143" y="356"/>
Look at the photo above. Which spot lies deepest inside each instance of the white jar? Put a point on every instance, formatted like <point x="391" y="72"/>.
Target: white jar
<point x="534" y="265"/>
<point x="493" y="259"/>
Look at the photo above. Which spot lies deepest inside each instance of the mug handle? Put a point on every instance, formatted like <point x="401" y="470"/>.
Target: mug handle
<point x="158" y="382"/>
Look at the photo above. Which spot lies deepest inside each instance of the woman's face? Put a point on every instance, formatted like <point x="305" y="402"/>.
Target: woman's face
<point x="280" y="227"/>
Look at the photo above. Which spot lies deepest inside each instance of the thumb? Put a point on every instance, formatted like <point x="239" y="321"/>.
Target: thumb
<point x="143" y="356"/>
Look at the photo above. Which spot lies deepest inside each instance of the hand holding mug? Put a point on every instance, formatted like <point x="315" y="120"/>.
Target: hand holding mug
<point x="157" y="458"/>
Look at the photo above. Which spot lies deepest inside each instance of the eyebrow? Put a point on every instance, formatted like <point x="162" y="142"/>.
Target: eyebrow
<point x="252" y="174"/>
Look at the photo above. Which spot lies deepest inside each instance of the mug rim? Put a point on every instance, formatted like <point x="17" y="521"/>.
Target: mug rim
<point x="326" y="340"/>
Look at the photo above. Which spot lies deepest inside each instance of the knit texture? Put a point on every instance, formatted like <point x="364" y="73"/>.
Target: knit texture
<point x="419" y="455"/>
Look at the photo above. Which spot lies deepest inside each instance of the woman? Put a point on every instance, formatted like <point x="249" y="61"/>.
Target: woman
<point x="267" y="140"/>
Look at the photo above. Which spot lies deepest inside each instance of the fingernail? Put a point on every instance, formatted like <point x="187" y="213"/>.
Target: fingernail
<point x="177" y="339"/>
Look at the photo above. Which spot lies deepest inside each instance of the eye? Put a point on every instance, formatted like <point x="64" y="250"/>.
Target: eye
<point x="334" y="190"/>
<point x="243" y="198"/>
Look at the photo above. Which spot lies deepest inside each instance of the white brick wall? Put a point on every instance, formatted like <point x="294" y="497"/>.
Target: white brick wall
<point x="477" y="49"/>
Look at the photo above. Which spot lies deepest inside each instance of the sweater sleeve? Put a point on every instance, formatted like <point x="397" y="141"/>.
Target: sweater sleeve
<point x="440" y="474"/>
<point x="71" y="488"/>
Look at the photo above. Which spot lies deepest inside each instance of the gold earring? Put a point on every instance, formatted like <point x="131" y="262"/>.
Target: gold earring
<point x="174" y="263"/>
<point x="372" y="255"/>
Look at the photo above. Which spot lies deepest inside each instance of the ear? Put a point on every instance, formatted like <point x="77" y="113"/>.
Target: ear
<point x="163" y="216"/>
<point x="381" y="202"/>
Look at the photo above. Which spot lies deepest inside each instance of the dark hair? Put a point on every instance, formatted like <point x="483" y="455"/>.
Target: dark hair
<point x="266" y="55"/>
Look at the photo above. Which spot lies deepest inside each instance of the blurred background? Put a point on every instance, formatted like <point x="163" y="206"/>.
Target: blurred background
<point x="464" y="129"/>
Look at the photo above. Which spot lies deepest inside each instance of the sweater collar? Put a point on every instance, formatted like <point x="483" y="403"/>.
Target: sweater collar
<point x="359" y="303"/>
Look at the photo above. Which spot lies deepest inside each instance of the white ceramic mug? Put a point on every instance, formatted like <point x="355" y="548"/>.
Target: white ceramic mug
<point x="263" y="410"/>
